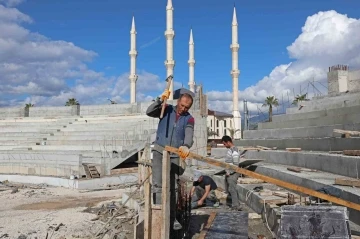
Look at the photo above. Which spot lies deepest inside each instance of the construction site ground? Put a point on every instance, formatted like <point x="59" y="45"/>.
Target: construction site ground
<point x="39" y="211"/>
<point x="256" y="227"/>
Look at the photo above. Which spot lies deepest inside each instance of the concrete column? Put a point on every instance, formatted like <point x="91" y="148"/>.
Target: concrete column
<point x="191" y="63"/>
<point x="169" y="35"/>
<point x="133" y="54"/>
<point x="235" y="76"/>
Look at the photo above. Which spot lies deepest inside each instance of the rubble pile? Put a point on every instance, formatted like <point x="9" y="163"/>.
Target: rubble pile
<point x="118" y="221"/>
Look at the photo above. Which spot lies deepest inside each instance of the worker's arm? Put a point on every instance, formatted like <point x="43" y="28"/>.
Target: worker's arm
<point x="192" y="191"/>
<point x="154" y="110"/>
<point x="207" y="191"/>
<point x="189" y="133"/>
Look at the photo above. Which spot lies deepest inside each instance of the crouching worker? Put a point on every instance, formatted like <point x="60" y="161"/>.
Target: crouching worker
<point x="203" y="191"/>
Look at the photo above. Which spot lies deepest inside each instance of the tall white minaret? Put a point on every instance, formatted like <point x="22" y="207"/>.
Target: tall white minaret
<point x="235" y="76"/>
<point x="169" y="35"/>
<point x="191" y="63"/>
<point x="133" y="54"/>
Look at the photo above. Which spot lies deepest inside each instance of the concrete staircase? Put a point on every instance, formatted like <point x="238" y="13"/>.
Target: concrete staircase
<point x="58" y="146"/>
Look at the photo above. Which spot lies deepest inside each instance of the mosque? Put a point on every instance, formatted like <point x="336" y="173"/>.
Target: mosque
<point x="222" y="119"/>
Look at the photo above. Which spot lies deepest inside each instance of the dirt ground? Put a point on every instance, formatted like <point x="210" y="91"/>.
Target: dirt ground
<point x="36" y="211"/>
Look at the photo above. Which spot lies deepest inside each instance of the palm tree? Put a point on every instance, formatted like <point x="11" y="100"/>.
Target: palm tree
<point x="233" y="131"/>
<point x="300" y="98"/>
<point x="27" y="106"/>
<point x="72" y="101"/>
<point x="271" y="101"/>
<point x="211" y="133"/>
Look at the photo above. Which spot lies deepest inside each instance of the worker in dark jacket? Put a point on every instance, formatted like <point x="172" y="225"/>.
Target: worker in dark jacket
<point x="175" y="129"/>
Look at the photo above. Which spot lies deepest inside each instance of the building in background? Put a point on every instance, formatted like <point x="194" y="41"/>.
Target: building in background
<point x="219" y="124"/>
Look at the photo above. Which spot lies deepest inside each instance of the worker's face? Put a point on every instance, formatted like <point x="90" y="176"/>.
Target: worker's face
<point x="200" y="179"/>
<point x="226" y="144"/>
<point x="183" y="105"/>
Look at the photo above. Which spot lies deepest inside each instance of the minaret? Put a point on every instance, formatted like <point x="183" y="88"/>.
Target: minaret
<point x="235" y="76"/>
<point x="133" y="54"/>
<point x="191" y="63"/>
<point x="169" y="35"/>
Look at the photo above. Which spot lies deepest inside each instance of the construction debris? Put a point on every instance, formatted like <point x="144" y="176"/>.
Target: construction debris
<point x="293" y="149"/>
<point x="352" y="182"/>
<point x="347" y="132"/>
<point x="299" y="170"/>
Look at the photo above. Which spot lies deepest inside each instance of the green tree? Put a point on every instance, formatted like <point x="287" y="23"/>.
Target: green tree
<point x="211" y="133"/>
<point x="300" y="98"/>
<point x="232" y="132"/>
<point x="72" y="101"/>
<point x="271" y="101"/>
<point x="27" y="106"/>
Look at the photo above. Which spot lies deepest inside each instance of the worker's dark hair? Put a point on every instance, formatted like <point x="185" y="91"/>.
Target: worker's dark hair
<point x="226" y="139"/>
<point x="186" y="95"/>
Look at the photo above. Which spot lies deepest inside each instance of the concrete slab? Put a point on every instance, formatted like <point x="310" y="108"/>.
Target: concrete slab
<point x="353" y="118"/>
<point x="311" y="144"/>
<point x="299" y="132"/>
<point x="82" y="184"/>
<point x="348" y="166"/>
<point x="227" y="225"/>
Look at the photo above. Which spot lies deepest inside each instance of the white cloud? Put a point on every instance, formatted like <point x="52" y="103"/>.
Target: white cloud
<point x="12" y="3"/>
<point x="327" y="38"/>
<point x="48" y="72"/>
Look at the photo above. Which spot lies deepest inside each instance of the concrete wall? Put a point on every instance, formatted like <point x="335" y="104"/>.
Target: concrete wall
<point x="337" y="81"/>
<point x="43" y="165"/>
<point x="12" y="112"/>
<point x="326" y="120"/>
<point x="354" y="80"/>
<point x="329" y="102"/>
<point x="54" y="111"/>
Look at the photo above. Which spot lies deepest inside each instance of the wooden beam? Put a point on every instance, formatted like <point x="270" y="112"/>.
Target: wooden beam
<point x="275" y="181"/>
<point x="127" y="170"/>
<point x="352" y="182"/>
<point x="350" y="132"/>
<point x="207" y="226"/>
<point x="147" y="209"/>
<point x="352" y="152"/>
<point x="165" y="196"/>
<point x="293" y="149"/>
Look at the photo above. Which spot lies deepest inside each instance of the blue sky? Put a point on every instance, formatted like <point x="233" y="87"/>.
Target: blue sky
<point x="266" y="29"/>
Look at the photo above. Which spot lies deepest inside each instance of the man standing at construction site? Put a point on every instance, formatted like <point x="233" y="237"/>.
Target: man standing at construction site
<point x="232" y="157"/>
<point x="175" y="129"/>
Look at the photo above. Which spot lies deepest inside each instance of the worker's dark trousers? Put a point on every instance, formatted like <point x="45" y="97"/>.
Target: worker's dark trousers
<point x="175" y="171"/>
<point x="231" y="182"/>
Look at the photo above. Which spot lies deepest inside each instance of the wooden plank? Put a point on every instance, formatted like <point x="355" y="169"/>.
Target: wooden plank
<point x="147" y="209"/>
<point x="262" y="147"/>
<point x="207" y="226"/>
<point x="276" y="201"/>
<point x="249" y="180"/>
<point x="125" y="170"/>
<point x="293" y="149"/>
<point x="349" y="132"/>
<point x="352" y="152"/>
<point x="294" y="169"/>
<point x="352" y="182"/>
<point x="268" y="179"/>
<point x="335" y="152"/>
<point x="165" y="196"/>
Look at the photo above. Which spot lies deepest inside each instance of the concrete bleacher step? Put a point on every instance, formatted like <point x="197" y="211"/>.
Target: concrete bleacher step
<point x="313" y="180"/>
<point x="101" y="142"/>
<point x="351" y="118"/>
<point x="316" y="114"/>
<point x="309" y="144"/>
<point x="64" y="147"/>
<point x="325" y="102"/>
<point x="348" y="166"/>
<point x="299" y="132"/>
